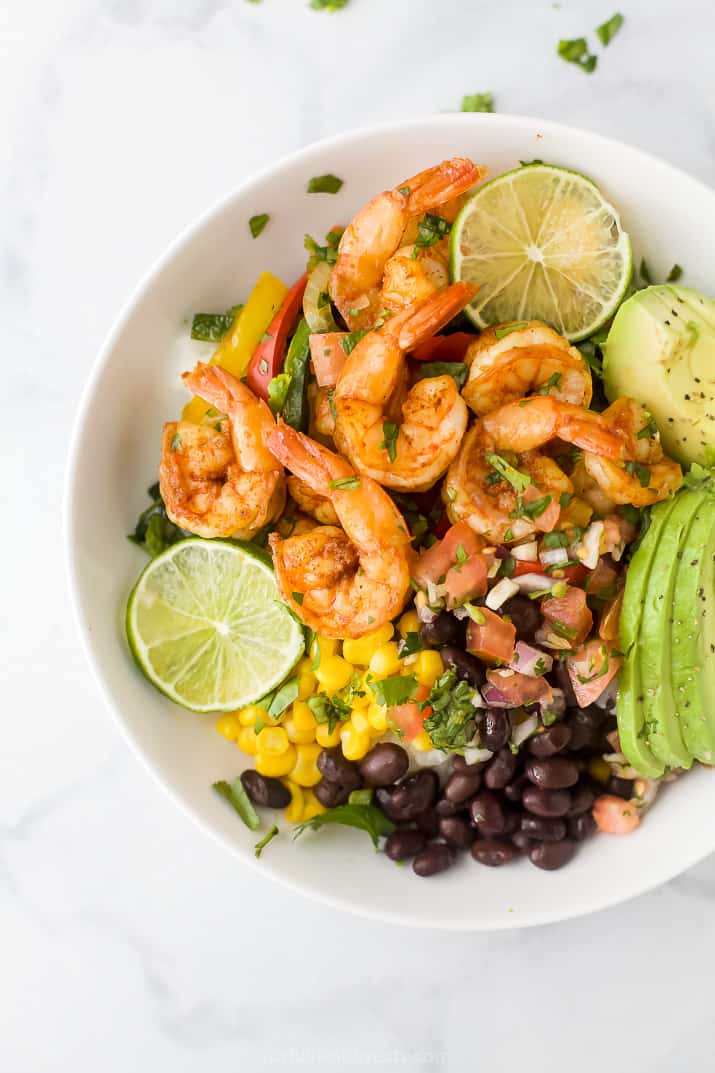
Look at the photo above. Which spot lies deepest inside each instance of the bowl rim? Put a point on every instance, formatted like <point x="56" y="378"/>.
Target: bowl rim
<point x="590" y="903"/>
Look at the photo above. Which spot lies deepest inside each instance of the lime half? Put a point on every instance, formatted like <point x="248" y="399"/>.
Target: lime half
<point x="207" y="626"/>
<point x="543" y="244"/>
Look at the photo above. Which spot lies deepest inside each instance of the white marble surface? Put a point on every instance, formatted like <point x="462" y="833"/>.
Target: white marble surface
<point x="127" y="939"/>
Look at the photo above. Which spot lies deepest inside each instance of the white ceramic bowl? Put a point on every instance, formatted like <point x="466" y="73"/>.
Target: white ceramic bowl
<point x="135" y="387"/>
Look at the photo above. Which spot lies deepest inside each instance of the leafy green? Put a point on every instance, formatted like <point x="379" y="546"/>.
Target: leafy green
<point x="674" y="274"/>
<point x="410" y="644"/>
<point x="365" y="817"/>
<point x="211" y="327"/>
<point x="396" y="690"/>
<point x="276" y="702"/>
<point x="478" y="102"/>
<point x="154" y="531"/>
<point x="555" y="540"/>
<point x="608" y="29"/>
<point x="346" y="484"/>
<point x="576" y="51"/>
<point x="328" y="252"/>
<point x="452" y="721"/>
<point x="431" y="229"/>
<point x="456" y="369"/>
<point x="518" y="480"/>
<point x="257" y="223"/>
<point x="390" y="432"/>
<point x="644" y="273"/>
<point x="361" y="797"/>
<point x="324" y="184"/>
<point x="237" y="797"/>
<point x="532" y="509"/>
<point x="351" y="340"/>
<point x="330" y="710"/>
<point x="592" y="351"/>
<point x="328" y="5"/>
<point x="295" y="406"/>
<point x="637" y="469"/>
<point x="500" y="333"/>
<point x="260" y="846"/>
<point x="278" y="392"/>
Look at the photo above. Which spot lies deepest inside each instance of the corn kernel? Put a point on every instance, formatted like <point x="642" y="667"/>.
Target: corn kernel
<point x="276" y="764"/>
<point x="334" y="673"/>
<point x="247" y="716"/>
<point x="322" y="647"/>
<point x="422" y="741"/>
<point x="355" y="743"/>
<point x="428" y="667"/>
<point x="360" y="721"/>
<point x="246" y="741"/>
<point x="228" y="726"/>
<point x="327" y="738"/>
<point x="599" y="770"/>
<point x="272" y="740"/>
<point x="294" y="811"/>
<point x="385" y="660"/>
<point x="295" y="734"/>
<point x="305" y="770"/>
<point x="360" y="650"/>
<point x="306" y="685"/>
<point x="304" y="718"/>
<point x="377" y="717"/>
<point x="311" y="805"/>
<point x="409" y="623"/>
<point x="577" y="512"/>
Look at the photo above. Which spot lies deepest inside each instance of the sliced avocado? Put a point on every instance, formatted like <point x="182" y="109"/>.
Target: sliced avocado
<point x="630" y="709"/>
<point x="661" y="351"/>
<point x="663" y="731"/>
<point x="693" y="635"/>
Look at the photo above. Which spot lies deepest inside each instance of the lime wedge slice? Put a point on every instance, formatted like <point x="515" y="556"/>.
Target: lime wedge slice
<point x="207" y="627"/>
<point x="543" y="244"/>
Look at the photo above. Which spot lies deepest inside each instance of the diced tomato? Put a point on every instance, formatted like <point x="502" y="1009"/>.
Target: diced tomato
<point x="602" y="578"/>
<point x="493" y="640"/>
<point x="268" y="357"/>
<point x="444" y="347"/>
<point x="466" y="580"/>
<point x="573" y="574"/>
<point x="571" y="612"/>
<point x="549" y="517"/>
<point x="434" y="563"/>
<point x="609" y="626"/>
<point x="409" y="718"/>
<point x="328" y="357"/>
<point x="591" y="669"/>
<point x="614" y="815"/>
<point x="520" y="688"/>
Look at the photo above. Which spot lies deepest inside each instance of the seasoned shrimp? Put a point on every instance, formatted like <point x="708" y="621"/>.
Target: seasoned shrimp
<point x="528" y="499"/>
<point x="322" y="413"/>
<point x="221" y="481"/>
<point x="312" y="504"/>
<point x="526" y="360"/>
<point x="643" y="474"/>
<point x="379" y="230"/>
<point x="432" y="416"/>
<point x="347" y="581"/>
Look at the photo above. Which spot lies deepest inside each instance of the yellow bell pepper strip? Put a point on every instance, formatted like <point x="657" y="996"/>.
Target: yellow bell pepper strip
<point x="243" y="337"/>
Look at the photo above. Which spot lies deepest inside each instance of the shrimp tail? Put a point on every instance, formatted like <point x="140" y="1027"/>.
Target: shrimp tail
<point x="421" y="322"/>
<point x="219" y="387"/>
<point x="307" y="459"/>
<point x="434" y="186"/>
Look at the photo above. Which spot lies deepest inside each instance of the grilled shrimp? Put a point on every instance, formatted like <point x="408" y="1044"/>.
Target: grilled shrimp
<point x="341" y="581"/>
<point x="643" y="474"/>
<point x="525" y="360"/>
<point x="528" y="498"/>
<point x="413" y="454"/>
<point x="380" y="229"/>
<point x="221" y="481"/>
<point x="310" y="502"/>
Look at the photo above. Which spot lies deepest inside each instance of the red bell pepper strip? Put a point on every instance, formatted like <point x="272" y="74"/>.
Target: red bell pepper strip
<point x="444" y="347"/>
<point x="269" y="355"/>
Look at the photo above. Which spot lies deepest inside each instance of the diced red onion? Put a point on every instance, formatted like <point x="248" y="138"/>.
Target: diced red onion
<point x="494" y="697"/>
<point x="526" y="660"/>
<point x="426" y="614"/>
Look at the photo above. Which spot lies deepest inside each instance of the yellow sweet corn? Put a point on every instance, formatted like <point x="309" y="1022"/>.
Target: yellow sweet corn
<point x="304" y="718"/>
<point x="334" y="673"/>
<point x="577" y="512"/>
<point x="360" y="721"/>
<point x="422" y="742"/>
<point x="246" y="740"/>
<point x="275" y="764"/>
<point x="360" y="650"/>
<point x="322" y="647"/>
<point x="228" y="726"/>
<point x="305" y="770"/>
<point x="294" y="811"/>
<point x="385" y="661"/>
<point x="427" y="667"/>
<point x="311" y="805"/>
<point x="409" y="623"/>
<point x="273" y="740"/>
<point x="295" y="734"/>
<point x="377" y="718"/>
<point x="306" y="685"/>
<point x="355" y="743"/>
<point x="247" y="716"/>
<point x="327" y="738"/>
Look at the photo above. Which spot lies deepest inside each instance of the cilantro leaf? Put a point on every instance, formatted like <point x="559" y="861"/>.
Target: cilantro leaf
<point x="396" y="690"/>
<point x="351" y="340"/>
<point x="507" y="329"/>
<point x="211" y="327"/>
<point x="276" y="702"/>
<point x="576" y="51"/>
<point x="456" y="369"/>
<point x="260" y="846"/>
<point x="328" y="5"/>
<point x="346" y="483"/>
<point x="518" y="480"/>
<point x="365" y="817"/>
<point x="478" y="102"/>
<point x="257" y="223"/>
<point x="390" y="431"/>
<point x="608" y="29"/>
<point x="674" y="274"/>
<point x="431" y="229"/>
<point x="410" y="644"/>
<point x="324" y="184"/>
<point x="154" y="531"/>
<point x="237" y="797"/>
<point x="452" y="721"/>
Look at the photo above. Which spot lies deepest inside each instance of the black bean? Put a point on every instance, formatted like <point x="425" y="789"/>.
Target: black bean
<point x="433" y="859"/>
<point x="333" y="766"/>
<point x="264" y="790"/>
<point x="559" y="676"/>
<point x="552" y="855"/>
<point x="546" y="830"/>
<point x="492" y="853"/>
<point x="522" y="841"/>
<point x="466" y="666"/>
<point x="449" y="808"/>
<point x="525" y="616"/>
<point x="460" y="764"/>
<point x="580" y="827"/>
<point x="428" y="822"/>
<point x="384" y="764"/>
<point x="410" y="798"/>
<point x="496" y="729"/>
<point x="487" y="813"/>
<point x="585" y="730"/>
<point x="445" y="629"/>
<point x="582" y="798"/>
<point x="462" y="784"/>
<point x="551" y="741"/>
<point x="330" y="793"/>
<point x="511" y="821"/>
<point x="553" y="773"/>
<point x="500" y="770"/>
<point x="548" y="803"/>
<point x="620" y="787"/>
<point x="404" y="843"/>
<point x="456" y="831"/>
<point x="515" y="789"/>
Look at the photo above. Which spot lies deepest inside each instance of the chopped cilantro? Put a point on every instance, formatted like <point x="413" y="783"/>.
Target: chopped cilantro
<point x="649" y="430"/>
<point x="298" y="598"/>
<point x="608" y="29"/>
<point x="410" y="644"/>
<point x="346" y="483"/>
<point x="211" y="327"/>
<point x="430" y="229"/>
<point x="640" y="471"/>
<point x="644" y="273"/>
<point x="452" y="721"/>
<point x="395" y="690"/>
<point x="674" y="274"/>
<point x="518" y="480"/>
<point x="260" y="846"/>
<point x="461" y="554"/>
<point x="351" y="340"/>
<point x="365" y="817"/>
<point x="564" y="499"/>
<point x="456" y="369"/>
<point x="328" y="252"/>
<point x="530" y="510"/>
<point x="553" y="381"/>
<point x="507" y="329"/>
<point x="236" y="796"/>
<point x="390" y="431"/>
<point x="176" y="442"/>
<point x="478" y="102"/>
<point x="324" y="184"/>
<point x="257" y="223"/>
<point x="328" y="5"/>
<point x="555" y="540"/>
<point x="576" y="51"/>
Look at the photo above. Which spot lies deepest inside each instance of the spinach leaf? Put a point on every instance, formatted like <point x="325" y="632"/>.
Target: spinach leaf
<point x="365" y="817"/>
<point x="154" y="531"/>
